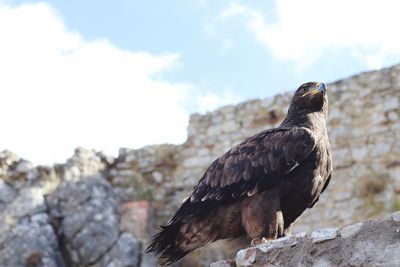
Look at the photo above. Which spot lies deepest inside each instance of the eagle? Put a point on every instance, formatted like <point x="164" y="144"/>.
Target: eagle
<point x="259" y="187"/>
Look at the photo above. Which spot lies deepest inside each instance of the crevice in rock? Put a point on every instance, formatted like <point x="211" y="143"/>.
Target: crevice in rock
<point x="108" y="249"/>
<point x="55" y="223"/>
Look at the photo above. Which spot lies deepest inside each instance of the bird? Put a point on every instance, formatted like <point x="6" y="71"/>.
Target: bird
<point x="259" y="187"/>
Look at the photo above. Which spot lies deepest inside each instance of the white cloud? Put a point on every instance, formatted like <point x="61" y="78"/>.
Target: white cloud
<point x="306" y="29"/>
<point x="60" y="91"/>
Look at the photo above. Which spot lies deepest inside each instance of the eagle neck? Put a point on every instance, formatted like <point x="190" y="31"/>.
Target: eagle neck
<point x="315" y="121"/>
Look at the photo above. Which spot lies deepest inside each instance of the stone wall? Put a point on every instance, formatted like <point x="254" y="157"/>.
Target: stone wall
<point x="146" y="185"/>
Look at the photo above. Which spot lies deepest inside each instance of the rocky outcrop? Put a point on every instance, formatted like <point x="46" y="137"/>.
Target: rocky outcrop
<point x="369" y="243"/>
<point x="67" y="215"/>
<point x="85" y="216"/>
<point x="27" y="237"/>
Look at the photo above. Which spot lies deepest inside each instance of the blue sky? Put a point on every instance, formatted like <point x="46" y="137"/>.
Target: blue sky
<point x="141" y="67"/>
<point x="229" y="58"/>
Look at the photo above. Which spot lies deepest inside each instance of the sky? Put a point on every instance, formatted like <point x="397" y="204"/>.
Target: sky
<point x="110" y="74"/>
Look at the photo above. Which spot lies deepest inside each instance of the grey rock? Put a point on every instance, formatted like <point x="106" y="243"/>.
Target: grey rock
<point x="23" y="166"/>
<point x="30" y="245"/>
<point x="148" y="260"/>
<point x="370" y="243"/>
<point x="29" y="202"/>
<point x="158" y="177"/>
<point x="246" y="257"/>
<point x="290" y="240"/>
<point x="7" y="193"/>
<point x="350" y="230"/>
<point x="323" y="235"/>
<point x="264" y="247"/>
<point x="88" y="219"/>
<point x="124" y="253"/>
<point x="8" y="158"/>
<point x="40" y="218"/>
<point x="396" y="217"/>
<point x="95" y="239"/>
<point x="108" y="158"/>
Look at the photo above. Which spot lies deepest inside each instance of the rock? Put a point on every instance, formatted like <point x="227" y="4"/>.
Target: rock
<point x="264" y="247"/>
<point x="8" y="158"/>
<point x="23" y="166"/>
<point x="7" y="193"/>
<point x="323" y="235"/>
<point x="229" y="126"/>
<point x="87" y="215"/>
<point x="40" y="218"/>
<point x="369" y="243"/>
<point x="105" y="233"/>
<point x="246" y="257"/>
<point x="350" y="230"/>
<point x="396" y="217"/>
<point x="223" y="263"/>
<point x="30" y="244"/>
<point x="391" y="104"/>
<point x="125" y="253"/>
<point x="29" y="202"/>
<point x="105" y="157"/>
<point x="84" y="163"/>
<point x="290" y="241"/>
<point x="158" y="177"/>
<point x="359" y="153"/>
<point x="393" y="116"/>
<point x="214" y="130"/>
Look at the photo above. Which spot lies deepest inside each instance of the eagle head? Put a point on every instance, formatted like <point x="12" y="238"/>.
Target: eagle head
<point x="310" y="97"/>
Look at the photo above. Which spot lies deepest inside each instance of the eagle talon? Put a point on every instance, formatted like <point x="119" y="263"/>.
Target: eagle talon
<point x="257" y="241"/>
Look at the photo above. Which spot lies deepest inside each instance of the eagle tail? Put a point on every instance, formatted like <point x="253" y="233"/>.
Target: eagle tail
<point x="167" y="246"/>
<point x="180" y="236"/>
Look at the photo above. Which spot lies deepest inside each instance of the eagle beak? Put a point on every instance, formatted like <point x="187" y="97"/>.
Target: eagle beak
<point x="319" y="88"/>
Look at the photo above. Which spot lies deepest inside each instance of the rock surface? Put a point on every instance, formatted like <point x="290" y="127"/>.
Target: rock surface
<point x="85" y="215"/>
<point x="69" y="218"/>
<point x="369" y="243"/>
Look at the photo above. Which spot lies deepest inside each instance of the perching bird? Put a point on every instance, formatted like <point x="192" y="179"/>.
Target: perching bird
<point x="259" y="187"/>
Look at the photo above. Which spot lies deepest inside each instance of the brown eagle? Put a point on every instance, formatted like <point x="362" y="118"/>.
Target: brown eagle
<point x="259" y="187"/>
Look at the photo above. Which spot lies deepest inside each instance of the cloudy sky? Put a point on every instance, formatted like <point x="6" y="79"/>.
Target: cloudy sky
<point x="111" y="74"/>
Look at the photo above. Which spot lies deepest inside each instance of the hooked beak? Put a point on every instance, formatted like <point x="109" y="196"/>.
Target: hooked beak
<point x="319" y="88"/>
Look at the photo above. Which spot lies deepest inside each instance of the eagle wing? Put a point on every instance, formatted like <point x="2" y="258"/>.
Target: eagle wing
<point x="255" y="165"/>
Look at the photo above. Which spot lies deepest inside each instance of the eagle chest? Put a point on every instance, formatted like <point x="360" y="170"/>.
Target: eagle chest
<point x="303" y="186"/>
<point x="318" y="167"/>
